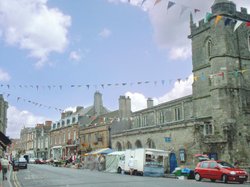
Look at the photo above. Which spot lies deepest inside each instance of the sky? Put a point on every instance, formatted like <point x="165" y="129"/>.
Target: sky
<point x="54" y="54"/>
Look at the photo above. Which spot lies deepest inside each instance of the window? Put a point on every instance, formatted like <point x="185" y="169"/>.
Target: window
<point x="63" y="123"/>
<point x="73" y="120"/>
<point x="213" y="164"/>
<point x="68" y="121"/>
<point x="208" y="129"/>
<point x="209" y="48"/>
<point x="68" y="135"/>
<point x="204" y="165"/>
<point x="74" y="135"/>
<point x="177" y="114"/>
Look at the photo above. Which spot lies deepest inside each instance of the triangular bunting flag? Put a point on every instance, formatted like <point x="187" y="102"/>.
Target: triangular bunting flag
<point x="238" y="23"/>
<point x="227" y="21"/>
<point x="170" y="4"/>
<point x="248" y="24"/>
<point x="208" y="16"/>
<point x="157" y="1"/>
<point x="196" y="10"/>
<point x="143" y="2"/>
<point x="218" y="18"/>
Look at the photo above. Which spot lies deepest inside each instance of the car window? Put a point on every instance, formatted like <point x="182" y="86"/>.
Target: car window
<point x="225" y="165"/>
<point x="204" y="165"/>
<point x="213" y="164"/>
<point x="22" y="160"/>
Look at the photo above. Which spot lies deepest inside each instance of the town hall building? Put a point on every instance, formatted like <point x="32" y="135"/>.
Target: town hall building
<point x="215" y="119"/>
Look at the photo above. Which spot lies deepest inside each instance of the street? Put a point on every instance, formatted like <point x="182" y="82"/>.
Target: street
<point x="49" y="176"/>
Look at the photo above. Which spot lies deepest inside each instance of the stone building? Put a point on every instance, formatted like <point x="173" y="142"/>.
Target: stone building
<point x="97" y="135"/>
<point x="214" y="120"/>
<point x="27" y="137"/>
<point x="64" y="134"/>
<point x="41" y="140"/>
<point x="4" y="141"/>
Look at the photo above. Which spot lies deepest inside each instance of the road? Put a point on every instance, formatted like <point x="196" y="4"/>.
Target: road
<point x="49" y="176"/>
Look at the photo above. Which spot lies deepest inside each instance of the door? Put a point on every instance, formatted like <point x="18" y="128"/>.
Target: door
<point x="172" y="162"/>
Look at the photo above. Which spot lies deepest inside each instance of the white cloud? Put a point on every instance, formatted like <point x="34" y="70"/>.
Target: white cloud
<point x="33" y="26"/>
<point x="105" y="33"/>
<point x="4" y="76"/>
<point x="18" y="119"/>
<point x="181" y="88"/>
<point x="75" y="56"/>
<point x="170" y="27"/>
<point x="71" y="108"/>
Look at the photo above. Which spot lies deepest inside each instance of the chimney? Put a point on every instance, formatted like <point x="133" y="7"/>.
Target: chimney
<point x="150" y="103"/>
<point x="124" y="107"/>
<point x="98" y="103"/>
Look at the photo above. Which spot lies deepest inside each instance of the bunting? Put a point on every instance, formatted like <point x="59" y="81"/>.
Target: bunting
<point x="143" y="1"/>
<point x="18" y="99"/>
<point x="157" y="1"/>
<point x="170" y="4"/>
<point x="183" y="9"/>
<point x="217" y="19"/>
<point x="238" y="23"/>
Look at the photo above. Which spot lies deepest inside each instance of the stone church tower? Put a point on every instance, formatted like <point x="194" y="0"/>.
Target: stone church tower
<point x="221" y="88"/>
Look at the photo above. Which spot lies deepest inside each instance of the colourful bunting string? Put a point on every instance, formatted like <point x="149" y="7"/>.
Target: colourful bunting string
<point x="238" y="23"/>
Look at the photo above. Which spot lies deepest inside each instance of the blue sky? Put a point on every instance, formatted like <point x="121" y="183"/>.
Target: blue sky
<point x="48" y="45"/>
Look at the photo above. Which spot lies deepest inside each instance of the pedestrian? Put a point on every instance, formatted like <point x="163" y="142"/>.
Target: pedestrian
<point x="5" y="165"/>
<point x="131" y="165"/>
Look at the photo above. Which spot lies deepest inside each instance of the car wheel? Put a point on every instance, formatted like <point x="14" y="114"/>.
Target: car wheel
<point x="224" y="178"/>
<point x="119" y="170"/>
<point x="197" y="177"/>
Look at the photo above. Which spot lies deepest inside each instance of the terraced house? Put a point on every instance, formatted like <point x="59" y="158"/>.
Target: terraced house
<point x="215" y="118"/>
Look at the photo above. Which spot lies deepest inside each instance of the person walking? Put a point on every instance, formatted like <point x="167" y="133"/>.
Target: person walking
<point x="5" y="164"/>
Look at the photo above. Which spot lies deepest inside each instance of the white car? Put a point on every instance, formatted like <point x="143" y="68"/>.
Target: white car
<point x="32" y="160"/>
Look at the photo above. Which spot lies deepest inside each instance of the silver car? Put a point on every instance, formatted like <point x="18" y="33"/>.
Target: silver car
<point x="22" y="163"/>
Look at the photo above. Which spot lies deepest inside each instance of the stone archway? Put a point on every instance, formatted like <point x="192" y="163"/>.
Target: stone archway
<point x="151" y="143"/>
<point x="129" y="145"/>
<point x="138" y="144"/>
<point x="118" y="146"/>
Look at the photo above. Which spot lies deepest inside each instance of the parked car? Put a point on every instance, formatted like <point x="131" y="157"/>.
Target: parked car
<point x="15" y="165"/>
<point x="32" y="160"/>
<point x="40" y="161"/>
<point x="219" y="170"/>
<point x="22" y="163"/>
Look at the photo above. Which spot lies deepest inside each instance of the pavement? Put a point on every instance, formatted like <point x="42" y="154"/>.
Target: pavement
<point x="6" y="183"/>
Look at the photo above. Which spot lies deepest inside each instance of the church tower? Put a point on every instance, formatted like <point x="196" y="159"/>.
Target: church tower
<point x="221" y="88"/>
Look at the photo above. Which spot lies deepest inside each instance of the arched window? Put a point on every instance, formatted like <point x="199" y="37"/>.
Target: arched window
<point x="129" y="145"/>
<point x="151" y="143"/>
<point x="138" y="144"/>
<point x="118" y="146"/>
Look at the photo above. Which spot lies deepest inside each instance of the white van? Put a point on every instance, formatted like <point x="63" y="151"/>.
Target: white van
<point x="146" y="161"/>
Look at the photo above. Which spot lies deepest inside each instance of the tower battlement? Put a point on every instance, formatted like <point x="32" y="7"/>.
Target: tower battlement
<point x="220" y="7"/>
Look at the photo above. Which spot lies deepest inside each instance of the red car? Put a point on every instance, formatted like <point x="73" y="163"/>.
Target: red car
<point x="218" y="170"/>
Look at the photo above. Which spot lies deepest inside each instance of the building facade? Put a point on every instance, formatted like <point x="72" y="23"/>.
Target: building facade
<point x="41" y="140"/>
<point x="27" y="138"/>
<point x="214" y="120"/>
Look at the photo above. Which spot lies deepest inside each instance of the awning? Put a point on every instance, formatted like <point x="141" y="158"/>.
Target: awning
<point x="4" y="140"/>
<point x="100" y="151"/>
